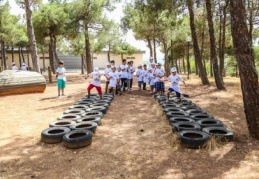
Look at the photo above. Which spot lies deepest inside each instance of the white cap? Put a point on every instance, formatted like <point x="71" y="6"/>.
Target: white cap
<point x="108" y="63"/>
<point x="113" y="67"/>
<point x="149" y="69"/>
<point x="96" y="69"/>
<point x="23" y="64"/>
<point x="13" y="63"/>
<point x="173" y="69"/>
<point x="158" y="63"/>
<point x="152" y="63"/>
<point x="139" y="65"/>
<point x="151" y="58"/>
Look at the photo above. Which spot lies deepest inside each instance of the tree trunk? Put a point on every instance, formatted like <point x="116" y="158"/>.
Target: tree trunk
<point x="150" y="47"/>
<point x="108" y="53"/>
<point x="12" y="53"/>
<point x="213" y="53"/>
<point x="31" y="35"/>
<point x="43" y="58"/>
<point x="197" y="54"/>
<point x="89" y="64"/>
<point x="154" y="45"/>
<point x="172" y="53"/>
<point x="28" y="57"/>
<point x="245" y="59"/>
<point x="55" y="49"/>
<point x="23" y="59"/>
<point x="51" y="57"/>
<point x="188" y="60"/>
<point x="20" y="56"/>
<point x="202" y="47"/>
<point x="4" y="56"/>
<point x="121" y="56"/>
<point x="184" y="69"/>
<point x="166" y="65"/>
<point x="179" y="66"/>
<point x="82" y="65"/>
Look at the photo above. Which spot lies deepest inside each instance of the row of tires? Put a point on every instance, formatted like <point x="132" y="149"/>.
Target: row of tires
<point x="193" y="125"/>
<point x="75" y="128"/>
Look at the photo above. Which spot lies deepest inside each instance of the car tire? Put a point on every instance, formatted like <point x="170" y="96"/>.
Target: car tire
<point x="193" y="139"/>
<point x="77" y="139"/>
<point x="54" y="135"/>
<point x="62" y="123"/>
<point x="181" y="119"/>
<point x="210" y="123"/>
<point x="176" y="114"/>
<point x="96" y="119"/>
<point x="179" y="126"/>
<point x="196" y="111"/>
<point x="81" y="107"/>
<point x="97" y="108"/>
<point x="93" y="113"/>
<point x="75" y="111"/>
<point x="72" y="117"/>
<point x="91" y="126"/>
<point x="106" y="105"/>
<point x="198" y="117"/>
<point x="167" y="109"/>
<point x="222" y="133"/>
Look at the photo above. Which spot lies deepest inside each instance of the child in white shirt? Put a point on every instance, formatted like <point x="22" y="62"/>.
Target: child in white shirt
<point x="60" y="73"/>
<point x="145" y="77"/>
<point x="140" y="76"/>
<point x="96" y="82"/>
<point x="113" y="77"/>
<point x="14" y="67"/>
<point x="106" y="72"/>
<point x="175" y="79"/>
<point x="118" y="86"/>
<point x="151" y="79"/>
<point x="129" y="71"/>
<point x="159" y="74"/>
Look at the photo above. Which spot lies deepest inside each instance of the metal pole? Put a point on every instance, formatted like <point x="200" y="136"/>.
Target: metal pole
<point x="188" y="61"/>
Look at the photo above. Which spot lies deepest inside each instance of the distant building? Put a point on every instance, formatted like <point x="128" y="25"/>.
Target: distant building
<point x="72" y="62"/>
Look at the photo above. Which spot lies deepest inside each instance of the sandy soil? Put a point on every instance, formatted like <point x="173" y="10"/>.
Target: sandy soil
<point x="135" y="140"/>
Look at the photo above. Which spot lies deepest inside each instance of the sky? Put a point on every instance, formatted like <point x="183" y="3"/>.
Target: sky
<point x="115" y="15"/>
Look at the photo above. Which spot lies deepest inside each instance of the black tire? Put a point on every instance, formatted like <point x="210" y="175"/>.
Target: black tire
<point x="96" y="119"/>
<point x="106" y="105"/>
<point x="198" y="117"/>
<point x="186" y="95"/>
<point x="94" y="113"/>
<point x="159" y="100"/>
<point x="185" y="104"/>
<point x="180" y="119"/>
<point x="77" y="139"/>
<point x="176" y="100"/>
<point x="81" y="107"/>
<point x="186" y="108"/>
<point x="62" y="123"/>
<point x="176" y="114"/>
<point x="210" y="123"/>
<point x="97" y="108"/>
<point x="196" y="111"/>
<point x="86" y="100"/>
<point x="169" y="105"/>
<point x="72" y="117"/>
<point x="193" y="139"/>
<point x="221" y="133"/>
<point x="83" y="103"/>
<point x="172" y="109"/>
<point x="102" y="101"/>
<point x="75" y="111"/>
<point x="107" y="98"/>
<point x="179" y="126"/>
<point x="91" y="126"/>
<point x="54" y="135"/>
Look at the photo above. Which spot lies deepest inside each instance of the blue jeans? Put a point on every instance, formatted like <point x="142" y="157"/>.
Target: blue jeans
<point x="140" y="83"/>
<point x="177" y="94"/>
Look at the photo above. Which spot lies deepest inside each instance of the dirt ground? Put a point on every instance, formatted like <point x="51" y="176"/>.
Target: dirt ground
<point x="120" y="149"/>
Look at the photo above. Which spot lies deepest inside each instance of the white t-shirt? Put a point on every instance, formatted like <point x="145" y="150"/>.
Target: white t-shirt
<point x="24" y="68"/>
<point x="159" y="74"/>
<point x="96" y="78"/>
<point x="15" y="67"/>
<point x="129" y="71"/>
<point x="107" y="71"/>
<point x="62" y="71"/>
<point x="175" y="79"/>
<point x="114" y="77"/>
<point x="145" y="74"/>
<point x="124" y="71"/>
<point x="140" y="75"/>
<point x="151" y="78"/>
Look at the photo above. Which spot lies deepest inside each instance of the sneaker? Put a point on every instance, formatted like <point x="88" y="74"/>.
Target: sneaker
<point x="58" y="95"/>
<point x="63" y="95"/>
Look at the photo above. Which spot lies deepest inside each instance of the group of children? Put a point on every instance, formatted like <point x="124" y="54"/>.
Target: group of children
<point x="24" y="67"/>
<point x="121" y="77"/>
